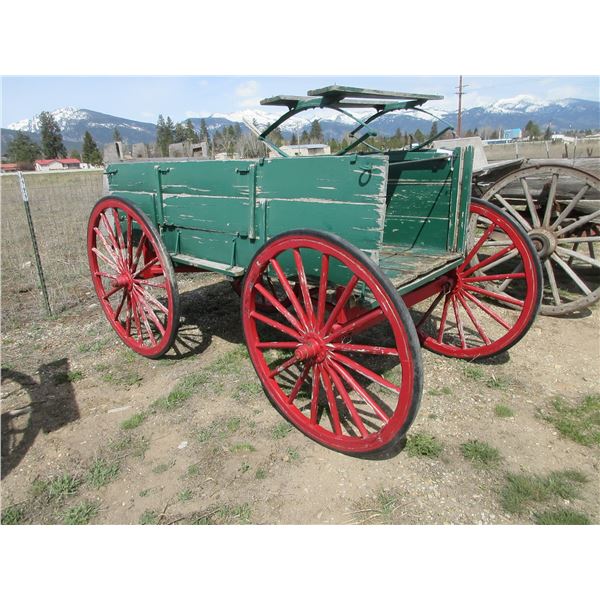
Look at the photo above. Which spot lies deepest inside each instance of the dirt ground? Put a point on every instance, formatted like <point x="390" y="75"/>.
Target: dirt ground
<point x="109" y="437"/>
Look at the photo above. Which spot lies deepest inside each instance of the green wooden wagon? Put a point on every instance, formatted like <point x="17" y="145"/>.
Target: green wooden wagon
<point x="327" y="254"/>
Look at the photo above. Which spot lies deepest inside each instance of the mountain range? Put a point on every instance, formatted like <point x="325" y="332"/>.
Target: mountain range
<point x="559" y="115"/>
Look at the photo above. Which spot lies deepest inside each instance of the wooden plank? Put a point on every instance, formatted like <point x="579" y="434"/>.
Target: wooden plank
<point x="342" y="91"/>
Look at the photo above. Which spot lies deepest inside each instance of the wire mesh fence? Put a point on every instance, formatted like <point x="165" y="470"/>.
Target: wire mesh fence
<point x="60" y="204"/>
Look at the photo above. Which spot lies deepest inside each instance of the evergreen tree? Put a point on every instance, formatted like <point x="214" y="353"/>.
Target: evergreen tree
<point x="179" y="133"/>
<point x="434" y="129"/>
<point x="294" y="140"/>
<point x="304" y="138"/>
<point x="190" y="132"/>
<point x="204" y="136"/>
<point x="52" y="141"/>
<point x="75" y="154"/>
<point x="419" y="137"/>
<point x="21" y="149"/>
<point x="532" y="130"/>
<point x="90" y="153"/>
<point x="165" y="131"/>
<point x="548" y="134"/>
<point x="117" y="135"/>
<point x="316" y="133"/>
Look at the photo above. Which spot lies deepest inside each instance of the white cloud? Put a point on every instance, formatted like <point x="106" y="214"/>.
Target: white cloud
<point x="246" y="89"/>
<point x="250" y="102"/>
<point x="194" y="114"/>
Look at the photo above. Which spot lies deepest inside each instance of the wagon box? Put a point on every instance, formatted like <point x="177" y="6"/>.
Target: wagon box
<point x="328" y="253"/>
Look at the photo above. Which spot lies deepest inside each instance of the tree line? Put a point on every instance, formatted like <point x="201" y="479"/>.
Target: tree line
<point x="23" y="150"/>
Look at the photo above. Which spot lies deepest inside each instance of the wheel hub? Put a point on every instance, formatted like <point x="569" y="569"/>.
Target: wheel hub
<point x="125" y="280"/>
<point x="544" y="241"/>
<point x="312" y="347"/>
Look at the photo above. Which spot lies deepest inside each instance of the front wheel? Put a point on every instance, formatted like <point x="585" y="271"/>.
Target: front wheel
<point x="341" y="361"/>
<point x="491" y="300"/>
<point x="133" y="276"/>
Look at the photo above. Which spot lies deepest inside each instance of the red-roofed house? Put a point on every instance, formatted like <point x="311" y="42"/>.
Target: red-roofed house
<point x="9" y="167"/>
<point x="57" y="164"/>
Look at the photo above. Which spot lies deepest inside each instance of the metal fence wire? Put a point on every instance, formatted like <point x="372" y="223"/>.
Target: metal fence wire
<point x="59" y="205"/>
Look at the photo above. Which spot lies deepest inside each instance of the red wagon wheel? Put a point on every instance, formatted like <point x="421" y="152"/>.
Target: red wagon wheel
<point x="341" y="363"/>
<point x="491" y="300"/>
<point x="133" y="277"/>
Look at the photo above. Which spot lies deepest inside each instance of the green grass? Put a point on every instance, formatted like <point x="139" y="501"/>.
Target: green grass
<point x="244" y="467"/>
<point x="480" y="453"/>
<point x="293" y="454"/>
<point x="225" y="514"/>
<point x="380" y="509"/>
<point x="134" y="421"/>
<point x="260" y="473"/>
<point x="183" y="391"/>
<point x="520" y="491"/>
<point x="242" y="447"/>
<point x="230" y="362"/>
<point x="12" y="515"/>
<point x="61" y="487"/>
<point x="68" y="377"/>
<point x="130" y="445"/>
<point x="122" y="377"/>
<point x="233" y="424"/>
<point x="161" y="468"/>
<point x="423" y="444"/>
<point x="474" y="372"/>
<point x="149" y="517"/>
<point x="501" y="410"/>
<point x="578" y="422"/>
<point x="185" y="495"/>
<point x="561" y="517"/>
<point x="498" y="382"/>
<point x="94" y="346"/>
<point x="80" y="514"/>
<point x="281" y="430"/>
<point x="194" y="470"/>
<point x="102" y="472"/>
<point x="444" y="391"/>
<point x="247" y="389"/>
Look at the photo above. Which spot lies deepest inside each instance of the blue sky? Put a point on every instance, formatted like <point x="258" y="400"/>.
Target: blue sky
<point x="143" y="98"/>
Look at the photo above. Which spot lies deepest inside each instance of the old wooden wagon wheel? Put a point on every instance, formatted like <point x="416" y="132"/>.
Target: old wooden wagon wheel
<point x="490" y="301"/>
<point x="559" y="207"/>
<point x="133" y="276"/>
<point x="340" y="362"/>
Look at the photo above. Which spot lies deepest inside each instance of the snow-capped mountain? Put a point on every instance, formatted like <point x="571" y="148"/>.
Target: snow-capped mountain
<point x="559" y="115"/>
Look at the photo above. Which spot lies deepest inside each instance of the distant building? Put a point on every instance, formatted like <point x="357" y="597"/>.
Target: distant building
<point x="512" y="134"/>
<point x="304" y="150"/>
<point x="8" y="167"/>
<point x="188" y="150"/>
<point x="57" y="164"/>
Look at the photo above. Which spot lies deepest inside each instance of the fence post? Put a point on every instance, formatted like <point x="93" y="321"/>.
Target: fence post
<point x="36" y="252"/>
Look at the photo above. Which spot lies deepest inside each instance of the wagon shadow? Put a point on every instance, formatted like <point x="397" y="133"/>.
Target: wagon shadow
<point x="207" y="311"/>
<point x="45" y="406"/>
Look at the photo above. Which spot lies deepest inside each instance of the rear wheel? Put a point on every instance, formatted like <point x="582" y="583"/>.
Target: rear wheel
<point x="340" y="362"/>
<point x="491" y="300"/>
<point x="133" y="277"/>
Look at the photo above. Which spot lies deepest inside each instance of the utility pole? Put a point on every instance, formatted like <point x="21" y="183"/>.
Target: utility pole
<point x="460" y="95"/>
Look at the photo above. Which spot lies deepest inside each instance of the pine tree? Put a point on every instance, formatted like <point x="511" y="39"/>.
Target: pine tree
<point x="165" y="132"/>
<point x="75" y="154"/>
<point x="294" y="140"/>
<point x="21" y="149"/>
<point x="204" y="136"/>
<point x="117" y="135"/>
<point x="179" y="133"/>
<point x="52" y="141"/>
<point x="304" y="138"/>
<point x="434" y="129"/>
<point x="532" y="130"/>
<point x="90" y="153"/>
<point x="190" y="132"/>
<point x="548" y="134"/>
<point x="419" y="137"/>
<point x="316" y="133"/>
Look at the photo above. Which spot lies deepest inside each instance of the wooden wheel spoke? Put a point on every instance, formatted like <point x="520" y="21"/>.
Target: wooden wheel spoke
<point x="340" y="304"/>
<point x="104" y="274"/>
<point x="495" y="295"/>
<point x="572" y="204"/>
<point x="358" y="422"/>
<point x="578" y="223"/>
<point x="290" y="362"/>
<point x="323" y="279"/>
<point x="487" y="310"/>
<point x="550" y="201"/>
<point x="277" y="345"/>
<point x="567" y="269"/>
<point x="360" y="323"/>
<point x="109" y="248"/>
<point x="530" y="204"/>
<point x="290" y="293"/>
<point x="138" y="252"/>
<point x="333" y="409"/>
<point x="314" y="401"/>
<point x="278" y="306"/>
<point x="365" y="349"/>
<point x="110" y="231"/>
<point x="578" y="255"/>
<point x="489" y="261"/>
<point x="142" y="312"/>
<point x="300" y="381"/>
<point x="498" y="277"/>
<point x="364" y="371"/>
<point x="120" y="240"/>
<point x="129" y="240"/>
<point x="276" y="325"/>
<point x="106" y="259"/>
<point x="443" y="318"/>
<point x="120" y="307"/>
<point x="480" y="330"/>
<point x="511" y="210"/>
<point x="477" y="246"/>
<point x="111" y="292"/>
<point x="552" y="280"/>
<point x="149" y="264"/>
<point x="429" y="311"/>
<point x="304" y="286"/>
<point x="459" y="325"/>
<point x="360" y="390"/>
<point x="151" y="299"/>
